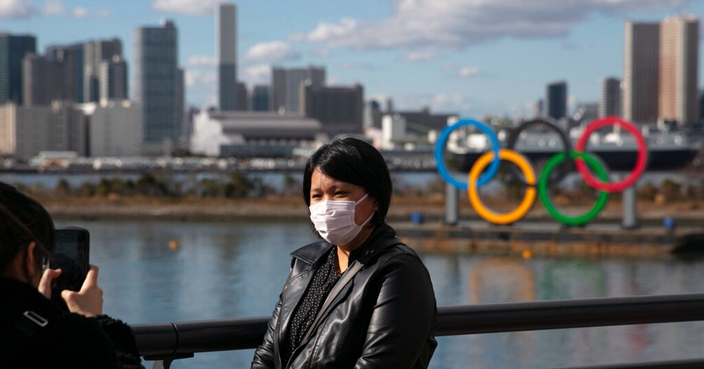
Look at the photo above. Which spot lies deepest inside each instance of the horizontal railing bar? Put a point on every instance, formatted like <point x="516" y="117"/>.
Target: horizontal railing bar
<point x="675" y="364"/>
<point x="236" y="334"/>
<point x="560" y="314"/>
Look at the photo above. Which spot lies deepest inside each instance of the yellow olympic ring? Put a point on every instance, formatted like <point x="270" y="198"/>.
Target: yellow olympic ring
<point x="528" y="200"/>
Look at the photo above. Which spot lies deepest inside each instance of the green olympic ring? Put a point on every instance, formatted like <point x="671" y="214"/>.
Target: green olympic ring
<point x="603" y="198"/>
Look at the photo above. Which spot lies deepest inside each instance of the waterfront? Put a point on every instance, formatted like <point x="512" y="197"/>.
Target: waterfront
<point x="224" y="270"/>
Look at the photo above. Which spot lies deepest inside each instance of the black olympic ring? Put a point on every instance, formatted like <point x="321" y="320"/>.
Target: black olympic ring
<point x="563" y="169"/>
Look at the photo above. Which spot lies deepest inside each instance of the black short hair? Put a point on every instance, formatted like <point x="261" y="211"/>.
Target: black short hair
<point x="23" y="221"/>
<point x="354" y="161"/>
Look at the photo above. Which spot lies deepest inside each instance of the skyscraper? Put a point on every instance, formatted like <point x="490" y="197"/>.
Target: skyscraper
<point x="339" y="109"/>
<point x="260" y="98"/>
<point x="112" y="79"/>
<point x="610" y="104"/>
<point x="679" y="49"/>
<point x="71" y="56"/>
<point x="556" y="97"/>
<point x="156" y="82"/>
<point x="13" y="48"/>
<point x="286" y="85"/>
<point x="94" y="53"/>
<point x="640" y="72"/>
<point x="242" y="97"/>
<point x="226" y="30"/>
<point x="42" y="81"/>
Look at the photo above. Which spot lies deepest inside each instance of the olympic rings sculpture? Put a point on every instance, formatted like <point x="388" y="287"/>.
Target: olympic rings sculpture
<point x="538" y="186"/>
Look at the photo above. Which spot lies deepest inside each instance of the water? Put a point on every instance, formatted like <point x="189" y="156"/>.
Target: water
<point x="236" y="270"/>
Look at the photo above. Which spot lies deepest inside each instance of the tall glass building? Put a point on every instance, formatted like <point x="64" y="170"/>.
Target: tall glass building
<point x="156" y="81"/>
<point x="610" y="104"/>
<point x="260" y="98"/>
<point x="13" y="48"/>
<point x="94" y="54"/>
<point x="641" y="69"/>
<point x="72" y="58"/>
<point x="557" y="100"/>
<point x="226" y="31"/>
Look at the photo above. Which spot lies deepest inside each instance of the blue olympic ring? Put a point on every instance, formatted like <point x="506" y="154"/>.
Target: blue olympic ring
<point x="440" y="146"/>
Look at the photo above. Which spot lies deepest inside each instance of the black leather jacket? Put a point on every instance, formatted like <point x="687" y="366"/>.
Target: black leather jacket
<point x="383" y="318"/>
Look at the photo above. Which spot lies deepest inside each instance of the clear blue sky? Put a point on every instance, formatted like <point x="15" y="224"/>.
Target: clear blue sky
<point x="473" y="57"/>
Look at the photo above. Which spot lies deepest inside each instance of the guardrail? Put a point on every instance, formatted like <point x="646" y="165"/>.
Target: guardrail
<point x="166" y="342"/>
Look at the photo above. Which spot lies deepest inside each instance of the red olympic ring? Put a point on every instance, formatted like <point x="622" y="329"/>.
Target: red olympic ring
<point x="641" y="160"/>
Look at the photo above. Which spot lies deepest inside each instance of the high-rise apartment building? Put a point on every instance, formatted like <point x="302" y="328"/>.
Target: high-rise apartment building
<point x="260" y="98"/>
<point x="94" y="53"/>
<point x="155" y="84"/>
<point x="71" y="56"/>
<point x="13" y="49"/>
<point x="286" y="86"/>
<point x="678" y="84"/>
<point x="112" y="79"/>
<point x="242" y="97"/>
<point x="556" y="97"/>
<point x="640" y="72"/>
<point x="610" y="104"/>
<point x="42" y="81"/>
<point x="339" y="109"/>
<point x="226" y="31"/>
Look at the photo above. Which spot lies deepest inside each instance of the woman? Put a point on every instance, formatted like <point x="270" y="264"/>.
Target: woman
<point x="360" y="298"/>
<point x="35" y="332"/>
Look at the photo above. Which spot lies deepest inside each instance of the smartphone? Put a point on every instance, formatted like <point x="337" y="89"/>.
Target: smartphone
<point x="71" y="256"/>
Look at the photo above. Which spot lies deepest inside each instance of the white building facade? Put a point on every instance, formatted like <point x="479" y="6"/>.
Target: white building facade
<point x="27" y="131"/>
<point x="115" y="128"/>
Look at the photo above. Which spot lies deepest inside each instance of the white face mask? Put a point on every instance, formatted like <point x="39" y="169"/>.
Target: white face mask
<point x="334" y="220"/>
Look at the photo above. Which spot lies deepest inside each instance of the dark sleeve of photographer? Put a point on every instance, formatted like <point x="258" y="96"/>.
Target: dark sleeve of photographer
<point x="88" y="303"/>
<point x="36" y="333"/>
<point x="71" y="340"/>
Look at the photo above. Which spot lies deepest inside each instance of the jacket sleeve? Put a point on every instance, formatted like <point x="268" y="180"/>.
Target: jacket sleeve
<point x="265" y="355"/>
<point x="400" y="332"/>
<point x="122" y="336"/>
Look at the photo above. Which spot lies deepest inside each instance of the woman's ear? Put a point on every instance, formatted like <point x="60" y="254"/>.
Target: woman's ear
<point x="29" y="260"/>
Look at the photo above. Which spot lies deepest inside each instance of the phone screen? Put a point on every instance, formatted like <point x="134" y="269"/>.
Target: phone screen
<point x="71" y="256"/>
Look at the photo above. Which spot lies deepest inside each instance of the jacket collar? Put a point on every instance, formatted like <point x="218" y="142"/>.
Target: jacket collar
<point x="373" y="243"/>
<point x="312" y="253"/>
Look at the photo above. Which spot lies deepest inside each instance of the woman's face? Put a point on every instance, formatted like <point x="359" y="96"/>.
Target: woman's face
<point x="325" y="188"/>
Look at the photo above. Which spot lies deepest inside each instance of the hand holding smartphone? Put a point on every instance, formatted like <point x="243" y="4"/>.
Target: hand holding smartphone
<point x="71" y="256"/>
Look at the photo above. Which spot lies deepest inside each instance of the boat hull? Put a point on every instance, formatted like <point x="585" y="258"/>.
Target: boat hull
<point x="615" y="160"/>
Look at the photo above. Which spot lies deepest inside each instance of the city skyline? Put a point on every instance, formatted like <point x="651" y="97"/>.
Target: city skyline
<point x="498" y="70"/>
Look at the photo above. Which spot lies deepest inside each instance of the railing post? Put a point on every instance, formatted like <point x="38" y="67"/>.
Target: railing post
<point x="630" y="216"/>
<point x="452" y="204"/>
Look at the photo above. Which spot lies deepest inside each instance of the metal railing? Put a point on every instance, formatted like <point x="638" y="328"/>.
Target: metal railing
<point x="166" y="342"/>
